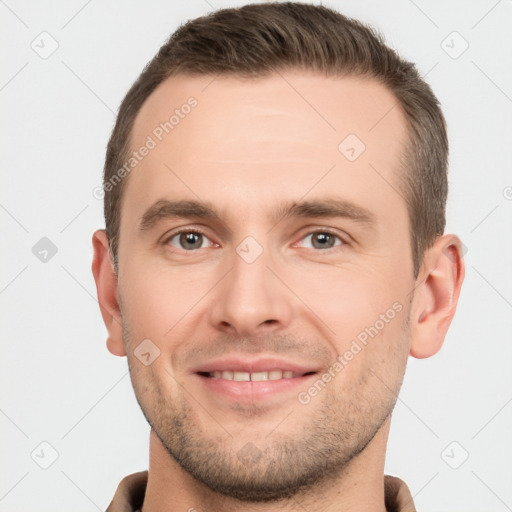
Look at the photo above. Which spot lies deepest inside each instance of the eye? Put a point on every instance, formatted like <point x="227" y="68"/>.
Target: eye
<point x="188" y="240"/>
<point x="321" y="240"/>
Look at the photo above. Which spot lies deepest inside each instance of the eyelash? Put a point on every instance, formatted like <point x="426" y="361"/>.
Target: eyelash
<point x="166" y="241"/>
<point x="175" y="234"/>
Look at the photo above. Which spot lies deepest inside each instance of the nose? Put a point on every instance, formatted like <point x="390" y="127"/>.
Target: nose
<point x="251" y="300"/>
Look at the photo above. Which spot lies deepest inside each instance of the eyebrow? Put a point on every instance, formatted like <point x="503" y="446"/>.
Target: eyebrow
<point x="191" y="209"/>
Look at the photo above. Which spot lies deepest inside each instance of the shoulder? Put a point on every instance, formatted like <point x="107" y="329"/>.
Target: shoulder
<point x="130" y="493"/>
<point x="397" y="494"/>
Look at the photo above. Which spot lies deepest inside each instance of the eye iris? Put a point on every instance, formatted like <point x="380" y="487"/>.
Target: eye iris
<point x="322" y="240"/>
<point x="194" y="240"/>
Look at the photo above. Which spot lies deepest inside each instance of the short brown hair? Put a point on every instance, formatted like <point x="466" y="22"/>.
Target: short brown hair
<point x="257" y="39"/>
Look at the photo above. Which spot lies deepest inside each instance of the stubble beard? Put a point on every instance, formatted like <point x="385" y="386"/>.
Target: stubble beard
<point x="277" y="467"/>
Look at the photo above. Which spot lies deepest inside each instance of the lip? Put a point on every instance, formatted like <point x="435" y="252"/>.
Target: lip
<point x="251" y="391"/>
<point x="261" y="364"/>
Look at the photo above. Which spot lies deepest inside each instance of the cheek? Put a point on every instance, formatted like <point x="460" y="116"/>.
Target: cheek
<point x="371" y="359"/>
<point x="151" y="385"/>
<point x="159" y="298"/>
<point x="365" y="318"/>
<point x="349" y="300"/>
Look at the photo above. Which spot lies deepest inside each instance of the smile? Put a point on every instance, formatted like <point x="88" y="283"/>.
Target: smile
<point x="242" y="376"/>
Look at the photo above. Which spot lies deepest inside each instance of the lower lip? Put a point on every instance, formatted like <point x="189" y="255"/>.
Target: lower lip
<point x="254" y="390"/>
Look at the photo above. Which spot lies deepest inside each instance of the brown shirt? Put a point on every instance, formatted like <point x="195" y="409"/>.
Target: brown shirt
<point x="130" y="494"/>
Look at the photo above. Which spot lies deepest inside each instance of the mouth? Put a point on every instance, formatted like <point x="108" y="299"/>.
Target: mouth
<point x="245" y="376"/>
<point x="266" y="379"/>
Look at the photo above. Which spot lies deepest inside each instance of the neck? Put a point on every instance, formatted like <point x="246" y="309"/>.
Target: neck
<point x="359" y="486"/>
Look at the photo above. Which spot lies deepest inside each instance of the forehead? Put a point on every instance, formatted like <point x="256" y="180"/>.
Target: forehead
<point x="325" y="106"/>
<point x="288" y="134"/>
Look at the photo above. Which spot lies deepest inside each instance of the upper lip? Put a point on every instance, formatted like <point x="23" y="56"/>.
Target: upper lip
<point x="261" y="364"/>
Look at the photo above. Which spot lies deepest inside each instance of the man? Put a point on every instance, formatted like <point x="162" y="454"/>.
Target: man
<point x="275" y="190"/>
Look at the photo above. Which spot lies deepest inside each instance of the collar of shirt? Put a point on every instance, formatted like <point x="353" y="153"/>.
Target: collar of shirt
<point x="130" y="492"/>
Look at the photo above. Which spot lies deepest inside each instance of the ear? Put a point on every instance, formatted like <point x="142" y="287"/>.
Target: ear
<point x="436" y="296"/>
<point x="107" y="289"/>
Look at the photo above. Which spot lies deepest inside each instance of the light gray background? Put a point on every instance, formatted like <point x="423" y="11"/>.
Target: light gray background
<point x="60" y="385"/>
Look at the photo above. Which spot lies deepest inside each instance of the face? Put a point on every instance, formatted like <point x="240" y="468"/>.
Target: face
<point x="266" y="257"/>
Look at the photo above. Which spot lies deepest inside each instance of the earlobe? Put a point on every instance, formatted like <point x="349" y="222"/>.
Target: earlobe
<point x="437" y="295"/>
<point x="116" y="347"/>
<point x="107" y="290"/>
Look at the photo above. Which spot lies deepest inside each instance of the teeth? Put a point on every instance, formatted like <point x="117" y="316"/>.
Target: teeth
<point x="254" y="376"/>
<point x="259" y="376"/>
<point x="241" y="376"/>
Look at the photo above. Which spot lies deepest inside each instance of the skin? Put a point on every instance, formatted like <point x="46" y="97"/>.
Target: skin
<point x="247" y="147"/>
